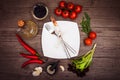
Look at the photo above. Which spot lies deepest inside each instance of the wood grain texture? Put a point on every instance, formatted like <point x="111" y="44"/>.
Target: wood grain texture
<point x="105" y="20"/>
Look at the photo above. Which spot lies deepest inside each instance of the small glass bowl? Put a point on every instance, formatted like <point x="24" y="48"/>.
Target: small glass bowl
<point x="40" y="11"/>
<point x="29" y="30"/>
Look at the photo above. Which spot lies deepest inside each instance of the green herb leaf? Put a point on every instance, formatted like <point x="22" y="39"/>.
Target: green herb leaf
<point x="84" y="61"/>
<point x="85" y="23"/>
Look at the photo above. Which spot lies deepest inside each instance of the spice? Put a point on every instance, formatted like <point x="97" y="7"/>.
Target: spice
<point x="35" y="57"/>
<point x="40" y="11"/>
<point x="62" y="68"/>
<point x="32" y="61"/>
<point x="26" y="46"/>
<point x="37" y="71"/>
<point x="29" y="56"/>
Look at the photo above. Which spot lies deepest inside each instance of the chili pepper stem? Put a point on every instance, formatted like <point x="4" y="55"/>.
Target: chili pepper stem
<point x="41" y="58"/>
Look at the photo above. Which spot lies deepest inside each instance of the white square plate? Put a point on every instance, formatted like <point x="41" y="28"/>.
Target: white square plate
<point x="52" y="46"/>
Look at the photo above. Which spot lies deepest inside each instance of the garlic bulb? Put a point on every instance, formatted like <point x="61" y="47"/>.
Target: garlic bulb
<point x="37" y="71"/>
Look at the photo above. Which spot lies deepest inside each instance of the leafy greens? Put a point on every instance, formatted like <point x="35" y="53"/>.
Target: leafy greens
<point x="84" y="61"/>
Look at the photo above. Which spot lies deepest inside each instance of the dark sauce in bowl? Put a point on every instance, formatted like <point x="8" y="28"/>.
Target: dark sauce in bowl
<point x="40" y="11"/>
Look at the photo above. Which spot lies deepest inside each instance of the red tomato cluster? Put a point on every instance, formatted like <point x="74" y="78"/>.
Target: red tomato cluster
<point x="88" y="41"/>
<point x="68" y="10"/>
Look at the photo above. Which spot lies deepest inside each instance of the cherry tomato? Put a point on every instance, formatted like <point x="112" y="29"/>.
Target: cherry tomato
<point x="88" y="41"/>
<point x="70" y="5"/>
<point x="78" y="8"/>
<point x="73" y="15"/>
<point x="65" y="14"/>
<point x="62" y="4"/>
<point x="58" y="11"/>
<point x="92" y="35"/>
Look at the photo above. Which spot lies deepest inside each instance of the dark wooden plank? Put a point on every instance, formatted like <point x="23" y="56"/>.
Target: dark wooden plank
<point x="86" y="3"/>
<point x="107" y="32"/>
<point x="105" y="17"/>
<point x="106" y="46"/>
<point x="98" y="70"/>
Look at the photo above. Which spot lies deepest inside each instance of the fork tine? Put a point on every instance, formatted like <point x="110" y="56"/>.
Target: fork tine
<point x="49" y="28"/>
<point x="69" y="47"/>
<point x="66" y="50"/>
<point x="66" y="46"/>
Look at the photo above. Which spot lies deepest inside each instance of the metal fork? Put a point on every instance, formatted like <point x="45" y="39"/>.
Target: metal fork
<point x="66" y="46"/>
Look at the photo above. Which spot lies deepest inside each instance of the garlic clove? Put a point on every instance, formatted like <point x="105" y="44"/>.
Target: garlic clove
<point x="36" y="73"/>
<point x="39" y="68"/>
<point x="62" y="68"/>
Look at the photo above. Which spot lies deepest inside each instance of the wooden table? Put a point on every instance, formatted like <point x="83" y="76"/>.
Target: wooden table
<point x="105" y="20"/>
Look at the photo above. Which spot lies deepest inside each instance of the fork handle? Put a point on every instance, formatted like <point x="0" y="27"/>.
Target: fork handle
<point x="53" y="20"/>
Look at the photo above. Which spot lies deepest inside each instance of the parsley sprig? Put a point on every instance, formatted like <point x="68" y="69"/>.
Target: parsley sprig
<point x="86" y="23"/>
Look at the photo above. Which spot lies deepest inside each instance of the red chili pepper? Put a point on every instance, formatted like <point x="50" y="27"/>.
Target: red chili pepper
<point x="32" y="61"/>
<point x="29" y="56"/>
<point x="26" y="46"/>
